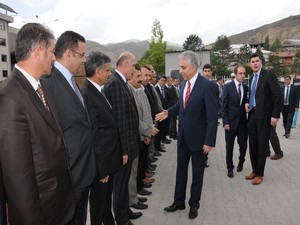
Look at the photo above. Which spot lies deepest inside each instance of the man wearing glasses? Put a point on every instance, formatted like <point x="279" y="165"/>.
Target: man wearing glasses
<point x="74" y="119"/>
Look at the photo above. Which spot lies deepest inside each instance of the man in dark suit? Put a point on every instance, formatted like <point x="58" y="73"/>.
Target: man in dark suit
<point x="163" y="94"/>
<point x="264" y="111"/>
<point x="198" y="121"/>
<point x="207" y="70"/>
<point x="61" y="84"/>
<point x="105" y="135"/>
<point x="33" y="157"/>
<point x="174" y="97"/>
<point x="291" y="103"/>
<point x="234" y="117"/>
<point x="125" y="111"/>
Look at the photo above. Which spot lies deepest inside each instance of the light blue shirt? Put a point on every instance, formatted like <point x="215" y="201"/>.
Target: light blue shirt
<point x="65" y="72"/>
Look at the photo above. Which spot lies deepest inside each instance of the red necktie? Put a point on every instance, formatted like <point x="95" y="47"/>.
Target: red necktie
<point x="187" y="94"/>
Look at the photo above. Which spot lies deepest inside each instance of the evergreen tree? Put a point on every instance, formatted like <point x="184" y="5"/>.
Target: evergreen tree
<point x="267" y="43"/>
<point x="221" y="56"/>
<point x="259" y="52"/>
<point x="295" y="68"/>
<point x="276" y="45"/>
<point x="193" y="42"/>
<point x="155" y="55"/>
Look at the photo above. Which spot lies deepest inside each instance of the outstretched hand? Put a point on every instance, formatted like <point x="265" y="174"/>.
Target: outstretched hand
<point x="161" y="116"/>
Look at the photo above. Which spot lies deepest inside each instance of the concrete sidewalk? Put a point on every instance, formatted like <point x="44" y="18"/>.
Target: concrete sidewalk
<point x="232" y="201"/>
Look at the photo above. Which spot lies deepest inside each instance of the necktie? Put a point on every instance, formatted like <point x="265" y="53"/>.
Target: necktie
<point x="76" y="89"/>
<point x="239" y="92"/>
<point x="253" y="91"/>
<point x="42" y="96"/>
<point x="187" y="94"/>
<point x="102" y="92"/>
<point x="286" y="98"/>
<point x="163" y="92"/>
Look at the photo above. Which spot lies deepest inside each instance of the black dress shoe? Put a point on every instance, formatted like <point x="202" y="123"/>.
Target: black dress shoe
<point x="230" y="173"/>
<point x="206" y="164"/>
<point x="161" y="150"/>
<point x="174" y="207"/>
<point x="129" y="223"/>
<point x="166" y="141"/>
<point x="193" y="213"/>
<point x="144" y="192"/>
<point x="147" y="185"/>
<point x="157" y="153"/>
<point x="152" y="165"/>
<point x="139" y="205"/>
<point x="142" y="199"/>
<point x="134" y="215"/>
<point x="239" y="168"/>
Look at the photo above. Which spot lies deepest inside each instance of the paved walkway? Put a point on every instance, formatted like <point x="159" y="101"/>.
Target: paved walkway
<point x="232" y="201"/>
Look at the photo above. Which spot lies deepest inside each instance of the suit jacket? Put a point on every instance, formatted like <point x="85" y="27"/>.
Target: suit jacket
<point x="268" y="95"/>
<point x="165" y="101"/>
<point x="104" y="130"/>
<point x="2" y="201"/>
<point x="153" y="100"/>
<point x="233" y="111"/>
<point x="76" y="127"/>
<point x="173" y="95"/>
<point x="144" y="112"/>
<point x="198" y="122"/>
<point x="125" y="111"/>
<point x="33" y="157"/>
<point x="293" y="98"/>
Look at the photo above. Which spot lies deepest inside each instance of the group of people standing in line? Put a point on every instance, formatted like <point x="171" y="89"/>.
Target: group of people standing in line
<point x="62" y="147"/>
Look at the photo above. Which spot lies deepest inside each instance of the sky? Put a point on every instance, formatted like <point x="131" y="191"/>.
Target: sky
<point x="111" y="21"/>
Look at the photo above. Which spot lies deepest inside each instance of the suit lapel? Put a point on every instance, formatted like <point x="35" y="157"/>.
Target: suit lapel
<point x="67" y="86"/>
<point x="34" y="98"/>
<point x="94" y="90"/>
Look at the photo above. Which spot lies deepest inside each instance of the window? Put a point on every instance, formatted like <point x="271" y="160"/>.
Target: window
<point x="2" y="41"/>
<point x="3" y="58"/>
<point x="4" y="73"/>
<point x="2" y="26"/>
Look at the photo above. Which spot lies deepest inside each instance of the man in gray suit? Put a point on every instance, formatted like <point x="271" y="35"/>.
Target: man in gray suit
<point x="146" y="131"/>
<point x="74" y="118"/>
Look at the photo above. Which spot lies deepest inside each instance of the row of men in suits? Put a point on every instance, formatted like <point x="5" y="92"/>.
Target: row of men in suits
<point x="59" y="146"/>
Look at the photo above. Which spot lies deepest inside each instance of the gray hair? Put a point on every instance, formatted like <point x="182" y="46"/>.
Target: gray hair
<point x="95" y="60"/>
<point x="189" y="56"/>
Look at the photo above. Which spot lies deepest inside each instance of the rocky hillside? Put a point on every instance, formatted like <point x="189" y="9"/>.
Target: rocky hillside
<point x="287" y="28"/>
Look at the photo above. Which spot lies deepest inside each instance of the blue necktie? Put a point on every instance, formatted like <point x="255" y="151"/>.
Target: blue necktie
<point x="253" y="91"/>
<point x="286" y="99"/>
<point x="76" y="89"/>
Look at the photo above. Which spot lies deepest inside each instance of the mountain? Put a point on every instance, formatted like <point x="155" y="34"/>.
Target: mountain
<point x="138" y="48"/>
<point x="113" y="50"/>
<point x="95" y="46"/>
<point x="287" y="28"/>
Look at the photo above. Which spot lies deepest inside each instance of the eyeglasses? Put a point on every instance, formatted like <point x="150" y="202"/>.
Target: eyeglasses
<point x="81" y="54"/>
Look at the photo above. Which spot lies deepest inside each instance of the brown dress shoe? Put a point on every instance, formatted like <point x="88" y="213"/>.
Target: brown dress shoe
<point x="149" y="180"/>
<point x="149" y="174"/>
<point x="276" y="157"/>
<point x="257" y="180"/>
<point x="251" y="176"/>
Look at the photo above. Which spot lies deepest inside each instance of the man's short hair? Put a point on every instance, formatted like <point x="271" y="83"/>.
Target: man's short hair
<point x="67" y="40"/>
<point x="95" y="60"/>
<point x="207" y="66"/>
<point x="254" y="55"/>
<point x="31" y="35"/>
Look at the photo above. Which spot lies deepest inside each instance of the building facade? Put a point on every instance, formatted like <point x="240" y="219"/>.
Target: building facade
<point x="5" y="59"/>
